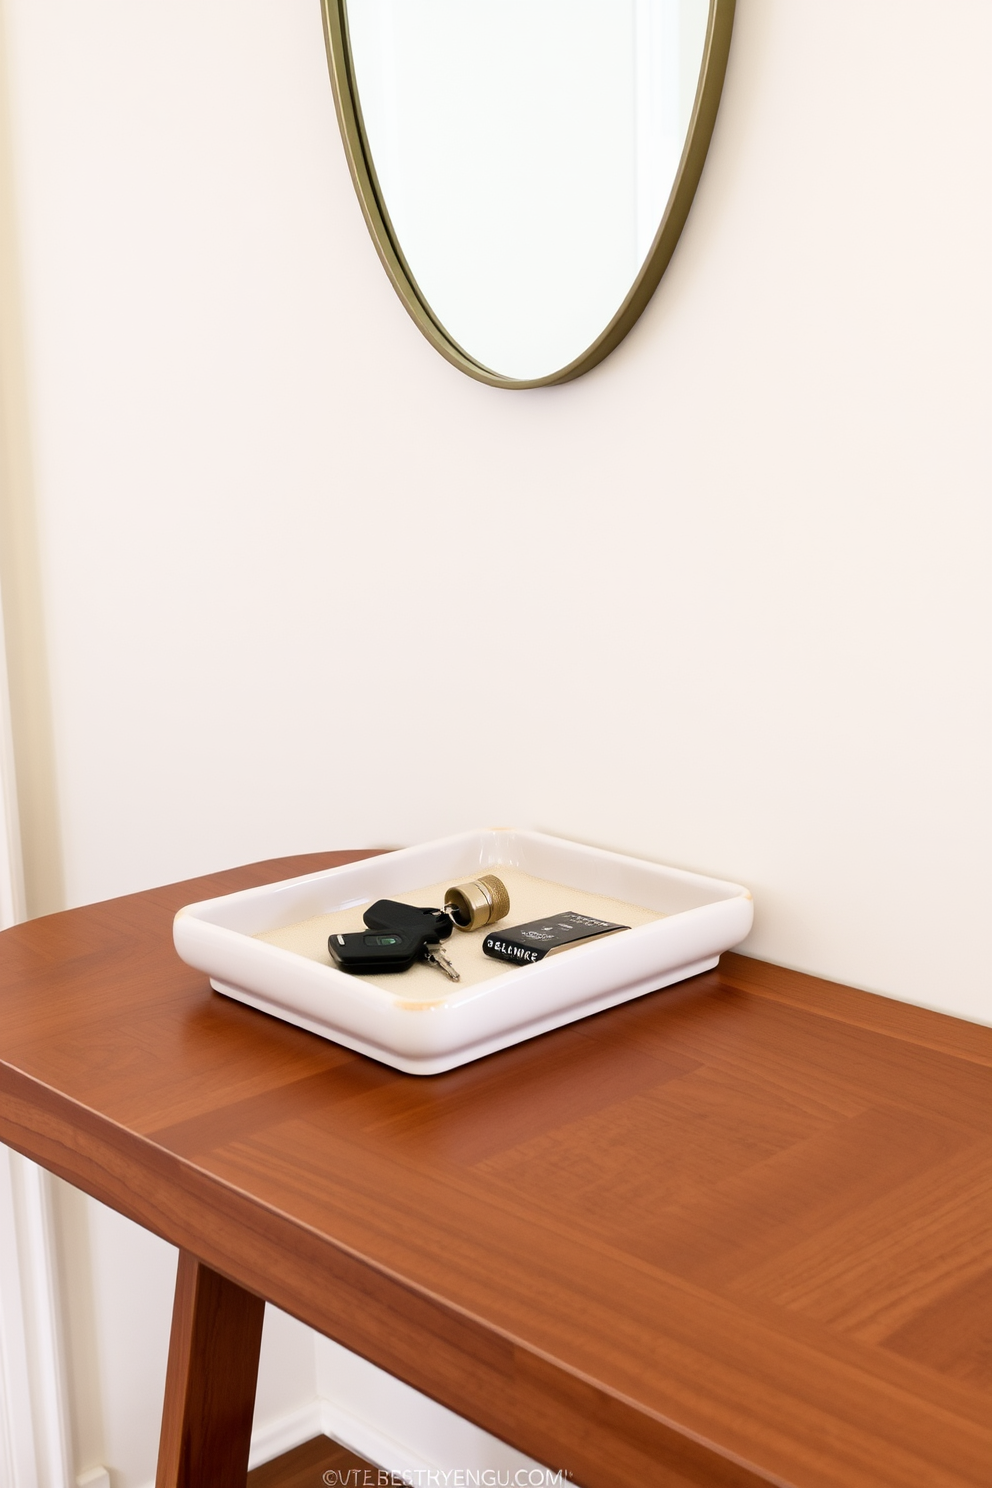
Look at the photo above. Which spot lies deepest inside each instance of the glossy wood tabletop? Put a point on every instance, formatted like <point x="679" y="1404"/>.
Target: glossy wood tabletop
<point x="732" y="1233"/>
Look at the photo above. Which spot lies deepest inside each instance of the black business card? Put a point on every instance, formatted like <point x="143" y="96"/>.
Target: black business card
<point x="522" y="944"/>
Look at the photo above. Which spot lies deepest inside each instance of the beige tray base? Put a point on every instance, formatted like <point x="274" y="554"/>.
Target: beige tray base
<point x="529" y="899"/>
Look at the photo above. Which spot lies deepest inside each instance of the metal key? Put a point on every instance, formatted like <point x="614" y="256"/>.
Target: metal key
<point x="436" y="957"/>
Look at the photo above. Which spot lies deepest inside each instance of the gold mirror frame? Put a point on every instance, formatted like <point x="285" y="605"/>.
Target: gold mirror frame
<point x="714" y="66"/>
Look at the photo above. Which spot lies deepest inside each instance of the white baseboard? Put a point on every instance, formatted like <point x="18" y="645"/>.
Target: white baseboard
<point x="272" y="1438"/>
<point x="93" y="1477"/>
<point x="324" y="1418"/>
<point x="368" y="1441"/>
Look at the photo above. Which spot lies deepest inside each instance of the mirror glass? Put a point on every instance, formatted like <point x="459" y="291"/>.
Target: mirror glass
<point x="525" y="151"/>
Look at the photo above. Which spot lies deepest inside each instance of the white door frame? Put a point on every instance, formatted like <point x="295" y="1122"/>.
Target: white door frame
<point x="12" y="907"/>
<point x="35" y="1437"/>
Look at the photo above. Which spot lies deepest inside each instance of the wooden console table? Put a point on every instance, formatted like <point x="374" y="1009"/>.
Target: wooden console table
<point x="734" y="1233"/>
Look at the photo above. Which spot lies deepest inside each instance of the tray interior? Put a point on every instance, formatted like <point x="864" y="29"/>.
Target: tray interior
<point x="530" y="897"/>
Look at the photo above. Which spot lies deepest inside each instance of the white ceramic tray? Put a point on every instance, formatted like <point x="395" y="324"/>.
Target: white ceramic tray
<point x="418" y="1021"/>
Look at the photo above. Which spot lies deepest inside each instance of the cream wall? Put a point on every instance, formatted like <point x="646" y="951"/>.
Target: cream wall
<point x="722" y="602"/>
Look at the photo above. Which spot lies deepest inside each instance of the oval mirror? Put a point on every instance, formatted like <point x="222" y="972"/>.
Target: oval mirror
<point x="526" y="166"/>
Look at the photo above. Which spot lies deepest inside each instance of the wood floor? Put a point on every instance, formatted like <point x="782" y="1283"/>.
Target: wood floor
<point x="305" y="1466"/>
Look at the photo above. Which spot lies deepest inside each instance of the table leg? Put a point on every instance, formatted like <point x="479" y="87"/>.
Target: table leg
<point x="210" y="1382"/>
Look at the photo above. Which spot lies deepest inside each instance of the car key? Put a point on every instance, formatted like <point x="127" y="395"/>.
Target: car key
<point x="373" y="950"/>
<point x="397" y="936"/>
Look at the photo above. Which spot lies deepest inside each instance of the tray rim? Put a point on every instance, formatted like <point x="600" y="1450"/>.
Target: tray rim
<point x="284" y="983"/>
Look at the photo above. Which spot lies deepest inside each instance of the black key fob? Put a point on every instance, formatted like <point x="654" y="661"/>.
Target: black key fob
<point x="389" y="914"/>
<point x="375" y="950"/>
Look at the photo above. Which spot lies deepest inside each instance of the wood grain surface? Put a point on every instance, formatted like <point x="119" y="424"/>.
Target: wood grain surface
<point x="735" y="1232"/>
<point x="210" y="1381"/>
